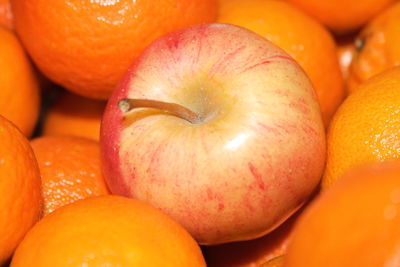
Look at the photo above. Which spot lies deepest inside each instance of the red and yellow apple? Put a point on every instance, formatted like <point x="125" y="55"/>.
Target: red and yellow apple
<point x="218" y="128"/>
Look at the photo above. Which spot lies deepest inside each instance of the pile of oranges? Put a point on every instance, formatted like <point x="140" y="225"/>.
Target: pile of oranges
<point x="61" y="59"/>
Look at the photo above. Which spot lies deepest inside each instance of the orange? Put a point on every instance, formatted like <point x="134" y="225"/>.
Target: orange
<point x="21" y="200"/>
<point x="19" y="94"/>
<point x="356" y="223"/>
<point x="366" y="126"/>
<point x="70" y="170"/>
<point x="342" y="16"/>
<point x="378" y="47"/>
<point x="6" y="18"/>
<point x="86" y="46"/>
<point x="108" y="231"/>
<point x="308" y="42"/>
<point x="253" y="252"/>
<point x="74" y="115"/>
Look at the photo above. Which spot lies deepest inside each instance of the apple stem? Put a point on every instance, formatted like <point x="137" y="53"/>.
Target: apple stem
<point x="127" y="104"/>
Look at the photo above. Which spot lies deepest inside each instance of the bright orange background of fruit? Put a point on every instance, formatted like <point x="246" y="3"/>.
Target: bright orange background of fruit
<point x="20" y="188"/>
<point x="366" y="127"/>
<point x="308" y="42"/>
<point x="19" y="92"/>
<point x="70" y="170"/>
<point x="111" y="230"/>
<point x="86" y="46"/>
<point x="355" y="223"/>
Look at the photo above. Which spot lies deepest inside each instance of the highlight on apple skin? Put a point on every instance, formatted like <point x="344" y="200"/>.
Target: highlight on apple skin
<point x="218" y="128"/>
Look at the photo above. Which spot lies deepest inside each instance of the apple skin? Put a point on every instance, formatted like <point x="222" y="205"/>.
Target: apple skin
<point x="253" y="160"/>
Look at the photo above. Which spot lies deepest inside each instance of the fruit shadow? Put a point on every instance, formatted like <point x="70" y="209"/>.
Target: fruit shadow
<point x="260" y="250"/>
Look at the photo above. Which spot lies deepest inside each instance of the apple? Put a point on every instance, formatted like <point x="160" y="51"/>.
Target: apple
<point x="218" y="128"/>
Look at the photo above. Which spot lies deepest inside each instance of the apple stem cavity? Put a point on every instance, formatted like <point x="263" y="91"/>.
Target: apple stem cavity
<point x="127" y="104"/>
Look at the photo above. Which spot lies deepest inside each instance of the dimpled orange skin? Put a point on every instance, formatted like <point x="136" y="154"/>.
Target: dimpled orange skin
<point x="19" y="93"/>
<point x="6" y="18"/>
<point x="108" y="231"/>
<point x="366" y="127"/>
<point x="308" y="42"/>
<point x="378" y="47"/>
<point x="20" y="190"/>
<point x="74" y="115"/>
<point x="86" y="46"/>
<point x="70" y="170"/>
<point x="342" y="16"/>
<point x="356" y="223"/>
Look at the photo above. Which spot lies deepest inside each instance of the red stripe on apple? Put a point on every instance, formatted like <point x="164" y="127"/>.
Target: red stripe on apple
<point x="251" y="157"/>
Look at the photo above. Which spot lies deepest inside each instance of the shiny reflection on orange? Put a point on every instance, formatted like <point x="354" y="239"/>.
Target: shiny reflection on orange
<point x="6" y="17"/>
